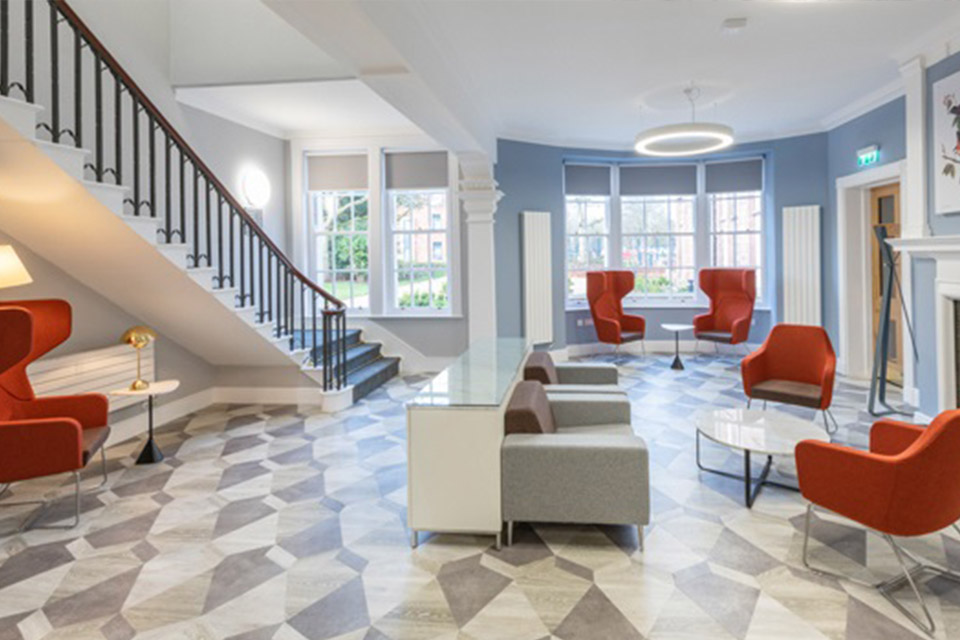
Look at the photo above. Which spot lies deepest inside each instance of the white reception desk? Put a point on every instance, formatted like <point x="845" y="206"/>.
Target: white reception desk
<point x="454" y="433"/>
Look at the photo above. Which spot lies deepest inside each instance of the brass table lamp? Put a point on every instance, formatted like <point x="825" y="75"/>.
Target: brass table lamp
<point x="138" y="337"/>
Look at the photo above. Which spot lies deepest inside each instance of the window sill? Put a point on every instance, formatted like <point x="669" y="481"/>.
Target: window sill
<point x="404" y="316"/>
<point x="662" y="305"/>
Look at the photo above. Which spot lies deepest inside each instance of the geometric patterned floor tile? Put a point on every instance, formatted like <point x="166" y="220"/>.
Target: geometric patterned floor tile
<point x="278" y="522"/>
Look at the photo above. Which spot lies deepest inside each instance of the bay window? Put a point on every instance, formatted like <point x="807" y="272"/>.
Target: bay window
<point x="663" y="222"/>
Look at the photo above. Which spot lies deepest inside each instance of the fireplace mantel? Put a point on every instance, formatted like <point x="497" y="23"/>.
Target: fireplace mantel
<point x="945" y="250"/>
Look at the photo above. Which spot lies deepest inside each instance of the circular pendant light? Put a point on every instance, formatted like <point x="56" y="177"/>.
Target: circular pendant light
<point x="688" y="139"/>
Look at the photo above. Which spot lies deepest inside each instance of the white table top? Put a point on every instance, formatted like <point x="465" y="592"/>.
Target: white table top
<point x="157" y="388"/>
<point x="677" y="327"/>
<point x="480" y="377"/>
<point x="767" y="432"/>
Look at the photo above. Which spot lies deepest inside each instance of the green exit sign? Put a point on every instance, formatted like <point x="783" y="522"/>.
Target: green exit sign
<point x="868" y="156"/>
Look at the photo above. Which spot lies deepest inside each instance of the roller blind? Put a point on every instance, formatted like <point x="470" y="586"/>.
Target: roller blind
<point x="337" y="173"/>
<point x="418" y="170"/>
<point x="584" y="180"/>
<point x="673" y="180"/>
<point x="742" y="175"/>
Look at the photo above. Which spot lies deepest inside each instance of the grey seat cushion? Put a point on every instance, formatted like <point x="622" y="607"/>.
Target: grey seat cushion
<point x="529" y="410"/>
<point x="539" y="366"/>
<point x="789" y="392"/>
<point x="599" y="430"/>
<point x="583" y="388"/>
<point x="715" y="336"/>
<point x="93" y="439"/>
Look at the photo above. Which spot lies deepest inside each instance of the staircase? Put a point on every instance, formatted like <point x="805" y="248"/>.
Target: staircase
<point x="94" y="179"/>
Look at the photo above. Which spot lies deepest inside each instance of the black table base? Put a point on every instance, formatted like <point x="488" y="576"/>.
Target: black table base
<point x="751" y="485"/>
<point x="151" y="452"/>
<point x="677" y="363"/>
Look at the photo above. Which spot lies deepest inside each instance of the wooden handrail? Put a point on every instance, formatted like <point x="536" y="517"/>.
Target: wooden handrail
<point x="137" y="93"/>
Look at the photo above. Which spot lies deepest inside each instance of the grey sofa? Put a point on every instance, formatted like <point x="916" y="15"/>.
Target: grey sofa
<point x="569" y="377"/>
<point x="572" y="458"/>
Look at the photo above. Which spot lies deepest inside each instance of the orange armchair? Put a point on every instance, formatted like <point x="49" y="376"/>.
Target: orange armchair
<point x="732" y="294"/>
<point x="907" y="484"/>
<point x="605" y="293"/>
<point x="43" y="436"/>
<point x="794" y="365"/>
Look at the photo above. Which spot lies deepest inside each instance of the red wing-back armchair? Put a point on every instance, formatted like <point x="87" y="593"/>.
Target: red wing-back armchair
<point x="605" y="292"/>
<point x="43" y="436"/>
<point x="907" y="484"/>
<point x="794" y="365"/>
<point x="732" y="294"/>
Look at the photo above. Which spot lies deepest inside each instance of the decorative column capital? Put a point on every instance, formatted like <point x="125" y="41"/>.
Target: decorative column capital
<point x="478" y="189"/>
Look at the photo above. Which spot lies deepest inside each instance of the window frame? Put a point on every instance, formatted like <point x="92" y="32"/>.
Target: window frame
<point x="608" y="221"/>
<point x="315" y="232"/>
<point x="703" y="233"/>
<point x="390" y="236"/>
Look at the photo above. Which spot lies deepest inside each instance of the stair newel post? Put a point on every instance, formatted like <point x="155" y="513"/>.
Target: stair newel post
<point x="343" y="349"/>
<point x="260" y="247"/>
<point x="98" y="113"/>
<point x="183" y="210"/>
<point x="269" y="296"/>
<point x="313" y="331"/>
<point x="220" y="253"/>
<point x="134" y="113"/>
<point x="152" y="165"/>
<point x="28" y="48"/>
<point x="241" y="230"/>
<point x="4" y="47"/>
<point x="54" y="75"/>
<point x="303" y="313"/>
<point x="251" y="228"/>
<point x="77" y="90"/>
<point x="327" y="374"/>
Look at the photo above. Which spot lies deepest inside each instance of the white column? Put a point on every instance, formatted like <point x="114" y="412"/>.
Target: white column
<point x="913" y="199"/>
<point x="479" y="195"/>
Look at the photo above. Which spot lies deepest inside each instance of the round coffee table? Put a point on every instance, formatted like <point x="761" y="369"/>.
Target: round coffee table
<point x="768" y="433"/>
<point x="676" y="329"/>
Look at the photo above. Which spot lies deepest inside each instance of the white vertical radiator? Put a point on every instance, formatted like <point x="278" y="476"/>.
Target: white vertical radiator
<point x="801" y="265"/>
<point x="537" y="277"/>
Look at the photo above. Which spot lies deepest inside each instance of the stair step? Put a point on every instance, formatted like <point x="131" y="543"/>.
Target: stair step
<point x="352" y="337"/>
<point x="362" y="354"/>
<point x="69" y="158"/>
<point x="21" y="115"/>
<point x="372" y="375"/>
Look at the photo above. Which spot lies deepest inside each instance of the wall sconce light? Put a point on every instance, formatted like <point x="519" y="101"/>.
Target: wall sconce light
<point x="255" y="187"/>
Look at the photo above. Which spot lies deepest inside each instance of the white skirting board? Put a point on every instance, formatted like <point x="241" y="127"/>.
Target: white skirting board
<point x="537" y="278"/>
<point x="801" y="265"/>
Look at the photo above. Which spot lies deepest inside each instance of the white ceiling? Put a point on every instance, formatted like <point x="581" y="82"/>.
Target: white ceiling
<point x="593" y="73"/>
<point x="334" y="108"/>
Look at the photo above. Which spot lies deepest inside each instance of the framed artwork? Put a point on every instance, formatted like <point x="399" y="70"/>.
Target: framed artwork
<point x="946" y="145"/>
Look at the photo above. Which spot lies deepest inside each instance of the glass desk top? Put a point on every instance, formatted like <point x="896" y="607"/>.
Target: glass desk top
<point x="479" y="377"/>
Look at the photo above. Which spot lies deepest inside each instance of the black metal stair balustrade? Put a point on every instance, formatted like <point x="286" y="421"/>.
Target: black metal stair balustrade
<point x="187" y="198"/>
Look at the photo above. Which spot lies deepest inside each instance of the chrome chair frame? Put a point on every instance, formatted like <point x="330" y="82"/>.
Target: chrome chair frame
<point x="889" y="586"/>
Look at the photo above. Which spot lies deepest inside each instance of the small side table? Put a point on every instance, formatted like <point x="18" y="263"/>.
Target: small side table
<point x="151" y="452"/>
<point x="676" y="329"/>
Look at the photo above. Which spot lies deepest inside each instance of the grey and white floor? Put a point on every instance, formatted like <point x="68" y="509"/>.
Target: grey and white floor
<point x="274" y="522"/>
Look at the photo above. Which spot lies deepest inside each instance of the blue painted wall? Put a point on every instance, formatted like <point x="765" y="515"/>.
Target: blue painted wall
<point x="531" y="177"/>
<point x="884" y="126"/>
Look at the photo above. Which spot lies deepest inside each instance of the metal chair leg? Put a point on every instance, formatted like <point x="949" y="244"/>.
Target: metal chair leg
<point x="836" y="425"/>
<point x="103" y="465"/>
<point x="749" y="400"/>
<point x="509" y="533"/>
<point x="928" y="628"/>
<point x="764" y="405"/>
<point x="640" y="536"/>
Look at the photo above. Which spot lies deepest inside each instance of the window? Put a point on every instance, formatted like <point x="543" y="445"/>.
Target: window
<point x="663" y="222"/>
<point x="659" y="243"/>
<point x="419" y="229"/>
<point x="340" y="223"/>
<point x="339" y="218"/>
<point x="420" y="265"/>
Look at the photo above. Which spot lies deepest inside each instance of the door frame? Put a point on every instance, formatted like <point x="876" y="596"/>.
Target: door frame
<point x="854" y="266"/>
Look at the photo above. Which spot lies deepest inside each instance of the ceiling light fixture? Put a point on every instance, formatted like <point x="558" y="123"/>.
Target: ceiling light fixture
<point x="688" y="139"/>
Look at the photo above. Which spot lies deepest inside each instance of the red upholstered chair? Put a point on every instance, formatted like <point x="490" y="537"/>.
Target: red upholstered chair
<point x="605" y="293"/>
<point x="794" y="365"/>
<point x="732" y="294"/>
<point x="43" y="436"/>
<point x="907" y="484"/>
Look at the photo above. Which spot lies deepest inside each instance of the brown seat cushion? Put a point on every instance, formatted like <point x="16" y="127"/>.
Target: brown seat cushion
<point x="539" y="367"/>
<point x="529" y="410"/>
<point x="789" y="392"/>
<point x="93" y="439"/>
<point x="715" y="336"/>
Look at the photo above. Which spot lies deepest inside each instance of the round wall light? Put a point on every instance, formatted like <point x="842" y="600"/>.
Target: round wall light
<point x="255" y="187"/>
<point x="687" y="139"/>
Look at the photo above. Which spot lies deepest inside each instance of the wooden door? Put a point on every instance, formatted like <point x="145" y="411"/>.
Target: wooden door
<point x="885" y="212"/>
